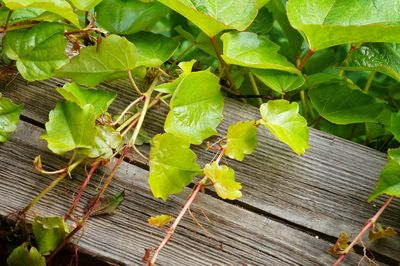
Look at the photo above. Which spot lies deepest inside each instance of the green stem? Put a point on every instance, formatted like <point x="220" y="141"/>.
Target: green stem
<point x="255" y="87"/>
<point x="369" y="81"/>
<point x="7" y="20"/>
<point x="304" y="103"/>
<point x="133" y="82"/>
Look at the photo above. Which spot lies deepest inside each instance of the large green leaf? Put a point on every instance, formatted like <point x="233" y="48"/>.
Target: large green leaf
<point x="341" y="102"/>
<point x="380" y="57"/>
<point x="196" y="107"/>
<point x="100" y="99"/>
<point x="49" y="232"/>
<point x="70" y="127"/>
<point x="22" y="256"/>
<point x="223" y="179"/>
<point x="26" y="14"/>
<point x="39" y="51"/>
<point x="241" y="140"/>
<point x="110" y="60"/>
<point x="9" y="117"/>
<point x="170" y="87"/>
<point x="152" y="49"/>
<point x="85" y="5"/>
<point x="172" y="165"/>
<point x="128" y="16"/>
<point x="389" y="180"/>
<point x="278" y="80"/>
<point x="250" y="50"/>
<point x="284" y="121"/>
<point x="59" y="7"/>
<point x="326" y="23"/>
<point x="214" y="16"/>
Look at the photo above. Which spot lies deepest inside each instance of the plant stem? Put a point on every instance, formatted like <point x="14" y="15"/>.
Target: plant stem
<point x="127" y="109"/>
<point x="19" y="27"/>
<point x="255" y="87"/>
<point x="369" y="81"/>
<point x="305" y="59"/>
<point x="365" y="229"/>
<point x="7" y="21"/>
<point x="133" y="82"/>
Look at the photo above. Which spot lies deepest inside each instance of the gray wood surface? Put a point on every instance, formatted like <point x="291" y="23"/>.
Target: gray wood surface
<point x="323" y="192"/>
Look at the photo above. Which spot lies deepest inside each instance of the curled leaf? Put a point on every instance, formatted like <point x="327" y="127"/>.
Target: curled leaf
<point x="223" y="178"/>
<point x="160" y="220"/>
<point x="341" y="244"/>
<point x="379" y="232"/>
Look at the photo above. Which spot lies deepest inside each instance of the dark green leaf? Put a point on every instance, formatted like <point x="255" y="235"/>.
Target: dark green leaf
<point x="241" y="140"/>
<point x="108" y="205"/>
<point x="263" y="22"/>
<point x="22" y="256"/>
<point x="9" y="117"/>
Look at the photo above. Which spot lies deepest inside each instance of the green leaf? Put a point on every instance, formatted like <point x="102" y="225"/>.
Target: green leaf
<point x="250" y="50"/>
<point x="341" y="102"/>
<point x="107" y="139"/>
<point x="49" y="232"/>
<point x="70" y="127"/>
<point x="39" y="51"/>
<point x="9" y="117"/>
<point x="196" y="107"/>
<point x="128" y="17"/>
<point x="261" y="3"/>
<point x="393" y="125"/>
<point x="327" y="23"/>
<point x="23" y="14"/>
<point x="21" y="256"/>
<point x="223" y="179"/>
<point x="284" y="121"/>
<point x="110" y="60"/>
<point x="108" y="205"/>
<point x="380" y="57"/>
<point x="279" y="81"/>
<point x="263" y="22"/>
<point x="214" y="16"/>
<point x="389" y="180"/>
<point x="59" y="7"/>
<point x="85" y="5"/>
<point x="152" y="49"/>
<point x="170" y="87"/>
<point x="99" y="99"/>
<point x="160" y="220"/>
<point x="172" y="165"/>
<point x="241" y="140"/>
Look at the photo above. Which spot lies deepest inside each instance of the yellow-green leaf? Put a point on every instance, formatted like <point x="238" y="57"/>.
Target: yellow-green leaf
<point x="223" y="178"/>
<point x="241" y="140"/>
<point x="160" y="220"/>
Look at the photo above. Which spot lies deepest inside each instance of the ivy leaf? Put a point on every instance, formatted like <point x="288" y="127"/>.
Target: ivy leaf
<point x="170" y="87"/>
<point x="9" y="117"/>
<point x="341" y="102"/>
<point x="107" y="139"/>
<point x="279" y="81"/>
<point x="49" y="232"/>
<point x="23" y="14"/>
<point x="160" y="220"/>
<point x="39" y="51"/>
<point x="153" y="49"/>
<point x="223" y="178"/>
<point x="250" y="50"/>
<point x="110" y="60"/>
<point x="389" y="180"/>
<point x="214" y="16"/>
<point x="22" y="256"/>
<point x="341" y="244"/>
<point x="380" y="57"/>
<point x="328" y="23"/>
<point x="85" y="5"/>
<point x="99" y="99"/>
<point x="261" y="3"/>
<point x="196" y="107"/>
<point x="70" y="127"/>
<point x="128" y="17"/>
<point x="59" y="7"/>
<point x="172" y="165"/>
<point x="241" y="140"/>
<point x="381" y="232"/>
<point x="107" y="205"/>
<point x="284" y="121"/>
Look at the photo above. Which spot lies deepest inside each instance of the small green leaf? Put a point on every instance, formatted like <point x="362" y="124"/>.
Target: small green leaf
<point x="59" y="7"/>
<point x="21" y="256"/>
<point x="9" y="117"/>
<point x="128" y="17"/>
<point x="223" y="178"/>
<point x="99" y="99"/>
<point x="85" y="5"/>
<point x="110" y="60"/>
<point x="279" y="81"/>
<point x="152" y="49"/>
<point x="172" y="165"/>
<point x="341" y="102"/>
<point x="241" y="140"/>
<point x="160" y="220"/>
<point x="214" y="16"/>
<point x="39" y="51"/>
<point x="380" y="57"/>
<point x="389" y="180"/>
<point x="108" y="205"/>
<point x="170" y="87"/>
<point x="70" y="127"/>
<point x="196" y="107"/>
<point x="107" y="139"/>
<point x="250" y="50"/>
<point x="284" y="121"/>
<point x="49" y="232"/>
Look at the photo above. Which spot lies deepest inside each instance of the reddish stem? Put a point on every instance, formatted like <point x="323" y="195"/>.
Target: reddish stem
<point x="305" y="59"/>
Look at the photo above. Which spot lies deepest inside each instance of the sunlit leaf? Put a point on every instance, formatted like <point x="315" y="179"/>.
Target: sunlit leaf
<point x="22" y="256"/>
<point x="241" y="140"/>
<point x="172" y="165"/>
<point x="39" y="51"/>
<point x="279" y="81"/>
<point x="223" y="179"/>
<point x="170" y="87"/>
<point x="24" y="14"/>
<point x="85" y="5"/>
<point x="284" y="121"/>
<point x="160" y="220"/>
<point x="9" y="117"/>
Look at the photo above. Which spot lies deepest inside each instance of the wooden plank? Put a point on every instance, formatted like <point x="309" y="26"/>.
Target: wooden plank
<point x="326" y="190"/>
<point x="236" y="236"/>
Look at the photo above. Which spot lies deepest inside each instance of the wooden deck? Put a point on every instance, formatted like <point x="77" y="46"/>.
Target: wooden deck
<point x="292" y="209"/>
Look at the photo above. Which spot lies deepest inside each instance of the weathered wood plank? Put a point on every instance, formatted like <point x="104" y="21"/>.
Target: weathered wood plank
<point x="236" y="236"/>
<point x="325" y="190"/>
